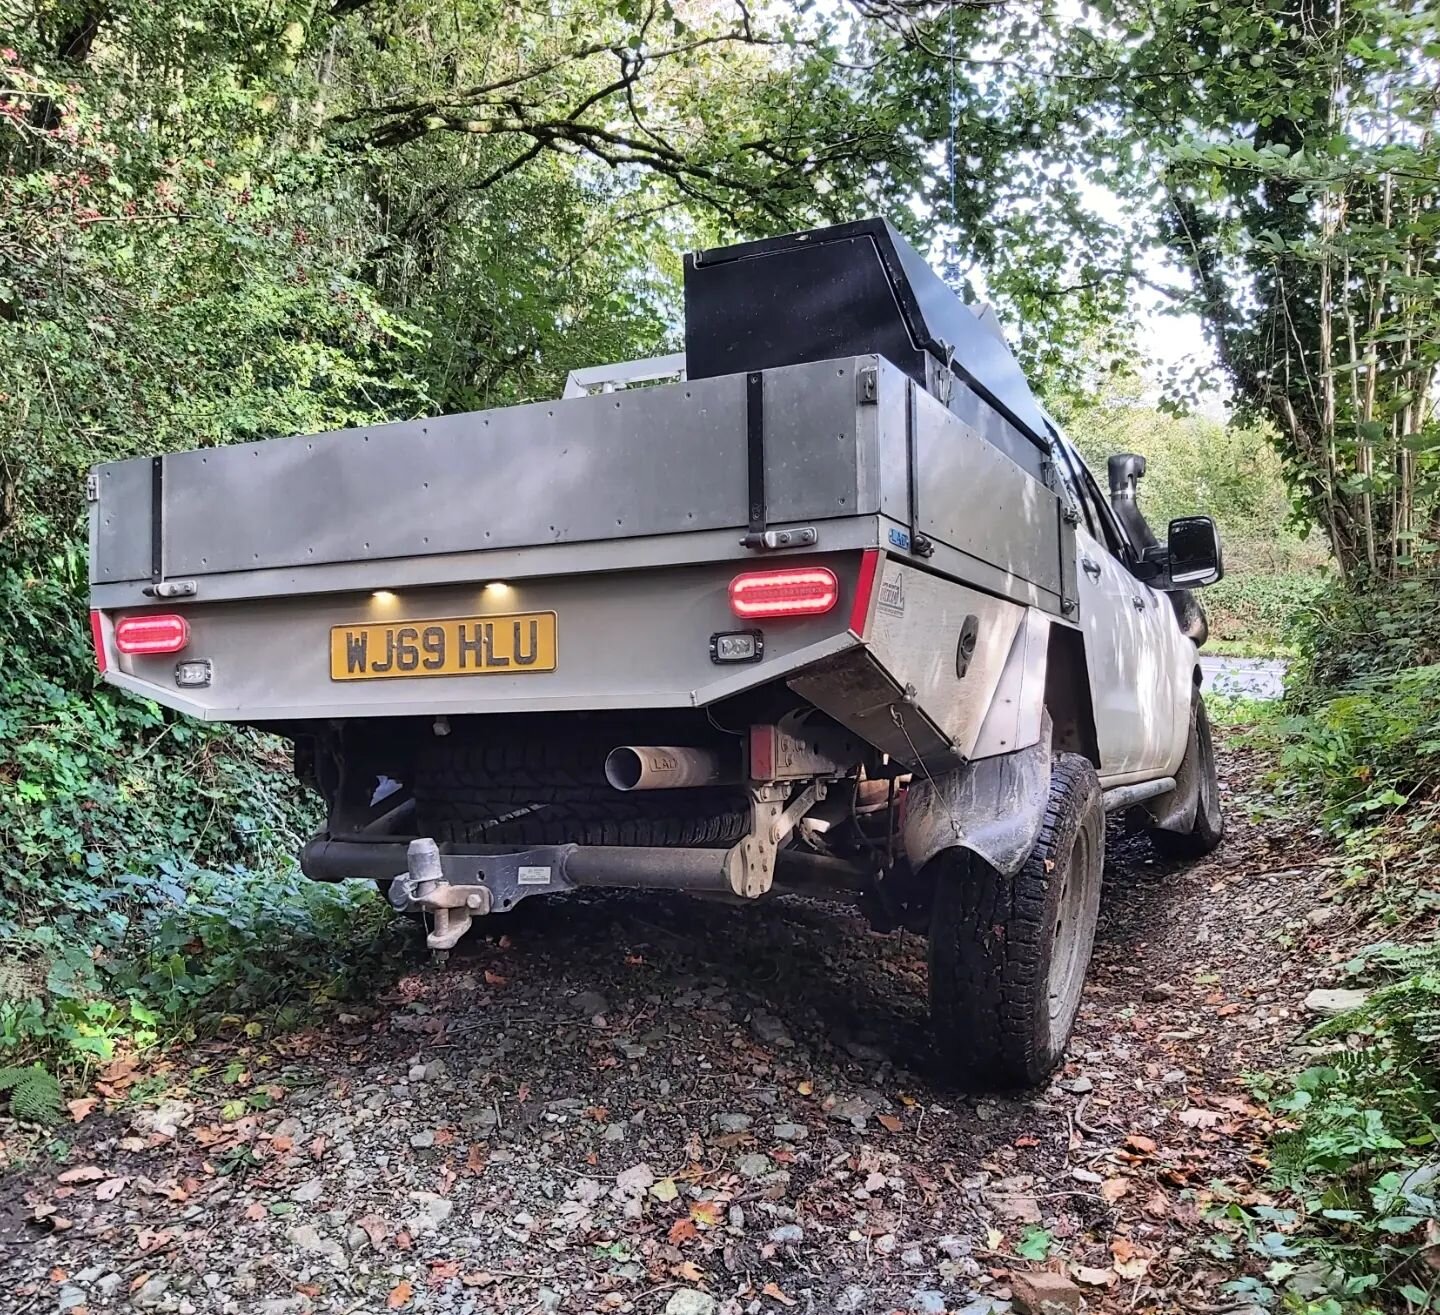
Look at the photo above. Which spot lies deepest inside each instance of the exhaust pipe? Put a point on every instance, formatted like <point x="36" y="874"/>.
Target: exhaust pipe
<point x="661" y="767"/>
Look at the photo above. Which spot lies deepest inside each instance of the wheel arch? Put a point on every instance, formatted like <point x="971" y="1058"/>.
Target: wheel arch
<point x="1067" y="694"/>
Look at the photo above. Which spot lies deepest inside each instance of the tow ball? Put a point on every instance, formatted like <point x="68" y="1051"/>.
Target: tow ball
<point x="424" y="886"/>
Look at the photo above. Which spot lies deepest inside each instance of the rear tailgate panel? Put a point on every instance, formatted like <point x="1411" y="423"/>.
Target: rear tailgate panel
<point x="632" y="639"/>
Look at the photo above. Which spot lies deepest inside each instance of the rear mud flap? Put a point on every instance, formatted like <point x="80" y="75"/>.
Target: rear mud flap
<point x="994" y="807"/>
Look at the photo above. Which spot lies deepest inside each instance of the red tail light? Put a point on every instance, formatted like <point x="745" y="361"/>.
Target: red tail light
<point x="97" y="638"/>
<point x="797" y="591"/>
<point x="163" y="633"/>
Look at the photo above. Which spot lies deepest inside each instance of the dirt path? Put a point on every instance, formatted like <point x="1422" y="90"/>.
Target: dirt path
<point x="627" y="1102"/>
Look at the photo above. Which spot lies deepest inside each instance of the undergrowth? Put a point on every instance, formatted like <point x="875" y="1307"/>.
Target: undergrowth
<point x="148" y="886"/>
<point x="1358" y="1154"/>
<point x="1252" y="613"/>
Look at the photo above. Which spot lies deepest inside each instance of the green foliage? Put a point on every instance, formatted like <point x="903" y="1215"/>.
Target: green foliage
<point x="147" y="861"/>
<point x="1261" y="609"/>
<point x="33" y="1092"/>
<point x="100" y="787"/>
<point x="1360" y="1151"/>
<point x="1371" y="750"/>
<point x="1370" y="629"/>
<point x="1297" y="187"/>
<point x="152" y="958"/>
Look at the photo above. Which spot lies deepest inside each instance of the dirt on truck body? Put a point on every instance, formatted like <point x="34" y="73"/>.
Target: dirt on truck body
<point x="838" y="610"/>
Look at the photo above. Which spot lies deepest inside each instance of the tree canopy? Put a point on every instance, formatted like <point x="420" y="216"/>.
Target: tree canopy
<point x="225" y="223"/>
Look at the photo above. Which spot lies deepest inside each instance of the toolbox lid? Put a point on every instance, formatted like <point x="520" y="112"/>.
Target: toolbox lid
<point x="847" y="290"/>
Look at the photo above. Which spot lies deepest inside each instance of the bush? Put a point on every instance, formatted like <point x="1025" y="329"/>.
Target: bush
<point x="1365" y="630"/>
<point x="1370" y="750"/>
<point x="1358" y="1153"/>
<point x="146" y="860"/>
<point x="158" y="957"/>
<point x="100" y="786"/>
<point x="1261" y="610"/>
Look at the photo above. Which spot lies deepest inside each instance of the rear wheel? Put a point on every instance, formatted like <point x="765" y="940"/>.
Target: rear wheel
<point x="1208" y="829"/>
<point x="1008" y="955"/>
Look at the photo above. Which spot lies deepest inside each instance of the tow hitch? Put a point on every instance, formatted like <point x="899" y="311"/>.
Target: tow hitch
<point x="455" y="884"/>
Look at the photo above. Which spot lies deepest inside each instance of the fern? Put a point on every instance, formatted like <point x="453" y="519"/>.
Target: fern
<point x="34" y="1093"/>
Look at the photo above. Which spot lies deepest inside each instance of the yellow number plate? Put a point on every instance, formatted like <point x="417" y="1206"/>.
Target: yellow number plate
<point x="455" y="646"/>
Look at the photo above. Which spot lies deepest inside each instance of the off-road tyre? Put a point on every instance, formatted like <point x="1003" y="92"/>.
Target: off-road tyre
<point x="1208" y="829"/>
<point x="1008" y="955"/>
<point x="548" y="792"/>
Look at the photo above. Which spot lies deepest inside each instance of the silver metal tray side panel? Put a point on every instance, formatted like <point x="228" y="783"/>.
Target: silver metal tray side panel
<point x="915" y="635"/>
<point x="648" y="461"/>
<point x="120" y="522"/>
<point x="816" y="458"/>
<point x="974" y="498"/>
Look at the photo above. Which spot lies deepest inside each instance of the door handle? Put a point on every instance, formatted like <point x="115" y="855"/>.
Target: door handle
<point x="1091" y="567"/>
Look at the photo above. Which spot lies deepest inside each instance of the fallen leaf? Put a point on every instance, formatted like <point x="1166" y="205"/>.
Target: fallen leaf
<point x="682" y="1231"/>
<point x="689" y="1271"/>
<point x="1094" y="1278"/>
<point x="1026" y="1141"/>
<point x="706" y="1212"/>
<point x="376" y="1229"/>
<point x="1136" y="1142"/>
<point x="149" y="1240"/>
<point x="444" y="1136"/>
<point x="889" y="1122"/>
<point x="805" y="1088"/>
<point x="773" y="1290"/>
<point x="993" y="1238"/>
<point x="1157" y="1206"/>
<point x="476" y="1159"/>
<point x="442" y="1271"/>
<point x="85" y="1173"/>
<point x="495" y="979"/>
<point x="1130" y="1261"/>
<point x="665" y="1190"/>
<point x="110" y="1189"/>
<point x="1197" y="1118"/>
<point x="119" y="1073"/>
<point x="481" y="1278"/>
<point x="58" y="1275"/>
<point x="81" y="1109"/>
<point x="255" y="1212"/>
<point x="1112" y="1189"/>
<point x="403" y="1240"/>
<point x="524" y="1093"/>
<point x="283" y="1144"/>
<point x="399" y="1295"/>
<point x="317" y="1147"/>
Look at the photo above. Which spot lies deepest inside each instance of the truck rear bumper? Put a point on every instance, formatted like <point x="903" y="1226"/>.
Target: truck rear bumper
<point x="457" y="883"/>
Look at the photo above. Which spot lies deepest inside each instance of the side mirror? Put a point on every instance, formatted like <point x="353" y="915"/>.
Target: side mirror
<point x="1193" y="552"/>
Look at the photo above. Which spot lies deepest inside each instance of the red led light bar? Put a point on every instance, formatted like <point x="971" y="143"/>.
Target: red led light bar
<point x="141" y="635"/>
<point x="796" y="591"/>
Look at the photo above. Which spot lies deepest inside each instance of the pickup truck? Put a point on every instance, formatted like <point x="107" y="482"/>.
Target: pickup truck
<point x="828" y="605"/>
